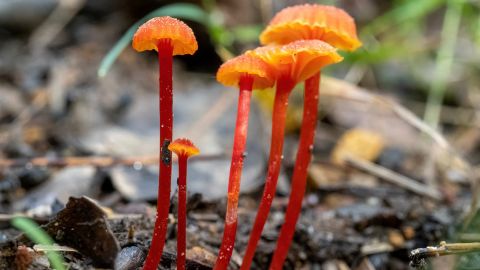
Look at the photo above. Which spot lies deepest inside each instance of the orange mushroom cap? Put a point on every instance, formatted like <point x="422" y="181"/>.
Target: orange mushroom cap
<point x="183" y="147"/>
<point x="181" y="36"/>
<point x="312" y="21"/>
<point x="230" y="72"/>
<point x="298" y="60"/>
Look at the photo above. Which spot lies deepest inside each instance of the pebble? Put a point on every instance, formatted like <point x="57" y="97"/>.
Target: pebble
<point x="130" y="257"/>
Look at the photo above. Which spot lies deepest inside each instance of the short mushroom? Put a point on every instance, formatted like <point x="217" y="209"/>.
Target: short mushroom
<point x="184" y="149"/>
<point x="245" y="72"/>
<point x="169" y="37"/>
<point x="315" y="22"/>
<point x="294" y="63"/>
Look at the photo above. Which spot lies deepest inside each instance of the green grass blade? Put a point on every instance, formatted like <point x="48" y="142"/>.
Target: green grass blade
<point x="444" y="62"/>
<point x="39" y="236"/>
<point x="181" y="10"/>
<point x="409" y="10"/>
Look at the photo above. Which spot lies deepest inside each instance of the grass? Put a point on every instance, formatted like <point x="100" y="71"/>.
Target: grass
<point x="39" y="236"/>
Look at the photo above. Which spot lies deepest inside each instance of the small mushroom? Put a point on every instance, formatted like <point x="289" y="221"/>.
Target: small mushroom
<point x="313" y="22"/>
<point x="245" y="72"/>
<point x="294" y="63"/>
<point x="169" y="37"/>
<point x="184" y="149"/>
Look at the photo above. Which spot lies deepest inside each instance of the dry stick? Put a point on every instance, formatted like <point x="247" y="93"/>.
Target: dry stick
<point x="14" y="129"/>
<point x="56" y="21"/>
<point x="76" y="161"/>
<point x="216" y="111"/>
<point x="444" y="249"/>
<point x="352" y="92"/>
<point x="394" y="178"/>
<point x="468" y="237"/>
<point x="9" y="217"/>
<point x="96" y="161"/>
<point x="475" y="182"/>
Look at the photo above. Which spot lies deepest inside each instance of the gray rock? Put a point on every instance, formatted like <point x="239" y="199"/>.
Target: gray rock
<point x="72" y="181"/>
<point x="24" y="14"/>
<point x="136" y="184"/>
<point x="131" y="257"/>
<point x="138" y="135"/>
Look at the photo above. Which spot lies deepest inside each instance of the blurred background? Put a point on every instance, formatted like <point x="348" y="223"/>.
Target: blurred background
<point x="78" y="116"/>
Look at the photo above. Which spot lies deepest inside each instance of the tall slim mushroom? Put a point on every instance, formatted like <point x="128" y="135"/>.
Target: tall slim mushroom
<point x="169" y="37"/>
<point x="309" y="21"/>
<point x="245" y="72"/>
<point x="294" y="63"/>
<point x="184" y="149"/>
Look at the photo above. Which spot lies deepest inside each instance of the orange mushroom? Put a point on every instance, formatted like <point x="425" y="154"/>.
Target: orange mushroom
<point x="313" y="22"/>
<point x="167" y="29"/>
<point x="246" y="72"/>
<point x="184" y="149"/>
<point x="294" y="63"/>
<point x="169" y="37"/>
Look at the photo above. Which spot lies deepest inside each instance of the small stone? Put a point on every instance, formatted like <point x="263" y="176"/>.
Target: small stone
<point x="396" y="238"/>
<point x="408" y="232"/>
<point x="82" y="225"/>
<point x="130" y="257"/>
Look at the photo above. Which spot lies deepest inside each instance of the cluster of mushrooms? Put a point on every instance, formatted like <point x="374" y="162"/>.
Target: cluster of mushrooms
<point x="298" y="42"/>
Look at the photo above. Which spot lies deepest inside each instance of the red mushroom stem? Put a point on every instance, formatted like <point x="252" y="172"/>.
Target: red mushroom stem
<point x="299" y="178"/>
<point x="182" y="212"/>
<point x="238" y="155"/>
<point x="284" y="87"/>
<point x="183" y="148"/>
<point x="165" y="59"/>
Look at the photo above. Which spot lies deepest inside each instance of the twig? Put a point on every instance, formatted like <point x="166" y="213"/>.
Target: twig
<point x="76" y="161"/>
<point x="375" y="248"/>
<point x="469" y="237"/>
<point x="342" y="89"/>
<point x="418" y="255"/>
<point x="394" y="178"/>
<point x="197" y="130"/>
<point x="458" y="116"/>
<point x="475" y="186"/>
<point x="56" y="21"/>
<point x="9" y="217"/>
<point x="46" y="248"/>
<point x="96" y="161"/>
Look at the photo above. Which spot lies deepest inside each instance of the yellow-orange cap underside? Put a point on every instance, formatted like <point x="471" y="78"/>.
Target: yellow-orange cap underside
<point x="230" y="72"/>
<point x="181" y="36"/>
<point x="298" y="60"/>
<point x="327" y="23"/>
<point x="183" y="147"/>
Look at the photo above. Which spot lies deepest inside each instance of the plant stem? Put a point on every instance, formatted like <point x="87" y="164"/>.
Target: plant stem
<point x="238" y="155"/>
<point x="299" y="178"/>
<point x="284" y="87"/>
<point x="182" y="213"/>
<point x="165" y="51"/>
<point x="444" y="61"/>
